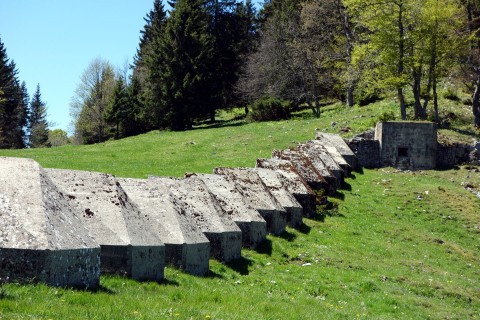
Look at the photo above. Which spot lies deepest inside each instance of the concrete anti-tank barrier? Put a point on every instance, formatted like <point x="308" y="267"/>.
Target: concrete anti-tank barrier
<point x="41" y="237"/>
<point x="191" y="196"/>
<point x="232" y="202"/>
<point x="128" y="244"/>
<point x="186" y="247"/>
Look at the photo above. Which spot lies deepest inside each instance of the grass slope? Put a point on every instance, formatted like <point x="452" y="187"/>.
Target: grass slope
<point x="393" y="245"/>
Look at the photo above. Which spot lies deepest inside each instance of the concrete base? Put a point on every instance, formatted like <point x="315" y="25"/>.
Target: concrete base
<point x="128" y="244"/>
<point x="292" y="182"/>
<point x="256" y="194"/>
<point x="185" y="245"/>
<point x="284" y="198"/>
<point x="192" y="197"/>
<point x="250" y="222"/>
<point x="76" y="268"/>
<point x="141" y="263"/>
<point x="41" y="237"/>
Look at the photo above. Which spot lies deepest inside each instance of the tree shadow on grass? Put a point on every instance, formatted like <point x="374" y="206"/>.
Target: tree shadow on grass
<point x="265" y="247"/>
<point x="235" y="122"/>
<point x="240" y="265"/>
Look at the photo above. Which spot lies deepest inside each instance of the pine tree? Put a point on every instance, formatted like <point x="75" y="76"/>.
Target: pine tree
<point x="180" y="72"/>
<point x="38" y="121"/>
<point x="117" y="112"/>
<point x="12" y="109"/>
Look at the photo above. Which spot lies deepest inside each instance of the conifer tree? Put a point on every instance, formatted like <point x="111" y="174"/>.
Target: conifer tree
<point x="12" y="109"/>
<point x="180" y="72"/>
<point x="38" y="121"/>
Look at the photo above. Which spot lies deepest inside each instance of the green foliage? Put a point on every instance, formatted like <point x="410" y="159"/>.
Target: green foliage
<point x="57" y="138"/>
<point x="13" y="104"/>
<point x="451" y="93"/>
<point x="37" y="122"/>
<point x="270" y="109"/>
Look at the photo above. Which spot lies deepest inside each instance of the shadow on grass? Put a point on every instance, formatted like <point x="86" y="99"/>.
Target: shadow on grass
<point x="286" y="236"/>
<point x="240" y="265"/>
<point x="102" y="289"/>
<point x="337" y="195"/>
<point x="4" y="295"/>
<point x="327" y="210"/>
<point x="346" y="186"/>
<point x="303" y="228"/>
<point x="265" y="247"/>
<point x="213" y="275"/>
<point x="235" y="122"/>
<point x="167" y="282"/>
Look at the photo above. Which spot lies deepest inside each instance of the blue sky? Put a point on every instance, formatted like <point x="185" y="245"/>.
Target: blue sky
<point x="53" y="41"/>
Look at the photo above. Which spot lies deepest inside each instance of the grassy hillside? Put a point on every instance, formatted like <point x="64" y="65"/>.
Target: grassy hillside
<point x="392" y="245"/>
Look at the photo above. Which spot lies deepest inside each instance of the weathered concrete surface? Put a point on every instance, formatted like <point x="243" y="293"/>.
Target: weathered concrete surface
<point x="319" y="154"/>
<point x="193" y="198"/>
<point x="330" y="140"/>
<point x="128" y="244"/>
<point x="185" y="245"/>
<point x="332" y="182"/>
<point x="292" y="182"/>
<point x="250" y="222"/>
<point x="256" y="194"/>
<point x="407" y="145"/>
<point x="284" y="198"/>
<point x="304" y="167"/>
<point x="41" y="237"/>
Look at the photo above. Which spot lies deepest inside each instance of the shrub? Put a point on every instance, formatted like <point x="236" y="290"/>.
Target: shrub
<point x="268" y="109"/>
<point x="451" y="94"/>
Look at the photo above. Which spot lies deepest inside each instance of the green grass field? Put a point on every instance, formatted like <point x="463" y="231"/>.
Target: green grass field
<point x="391" y="245"/>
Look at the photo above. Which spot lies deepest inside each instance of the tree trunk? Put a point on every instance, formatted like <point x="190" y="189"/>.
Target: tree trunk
<point x="401" y="54"/>
<point x="350" y="98"/>
<point x="476" y="105"/>
<point x="401" y="100"/>
<point x="417" y="73"/>
<point x="435" y="99"/>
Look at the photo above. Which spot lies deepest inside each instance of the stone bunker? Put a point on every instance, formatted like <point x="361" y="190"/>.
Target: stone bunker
<point x="256" y="194"/>
<point x="407" y="145"/>
<point x="128" y="244"/>
<point x="192" y="197"/>
<point x="185" y="245"/>
<point x="250" y="222"/>
<point x="41" y="236"/>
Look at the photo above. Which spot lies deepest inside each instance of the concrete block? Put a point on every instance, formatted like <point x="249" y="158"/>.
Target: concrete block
<point x="185" y="245"/>
<point x="319" y="154"/>
<point x="193" y="198"/>
<point x="41" y="237"/>
<point x="329" y="140"/>
<point x="292" y="182"/>
<point x="129" y="246"/>
<point x="256" y="194"/>
<point x="284" y="198"/>
<point x="304" y="167"/>
<point x="250" y="222"/>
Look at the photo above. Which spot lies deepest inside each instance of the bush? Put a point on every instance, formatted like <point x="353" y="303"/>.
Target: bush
<point x="451" y="94"/>
<point x="384" y="117"/>
<point x="269" y="109"/>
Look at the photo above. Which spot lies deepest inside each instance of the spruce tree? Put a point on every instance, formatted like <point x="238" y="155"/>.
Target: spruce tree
<point x="12" y="109"/>
<point x="38" y="121"/>
<point x="181" y="72"/>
